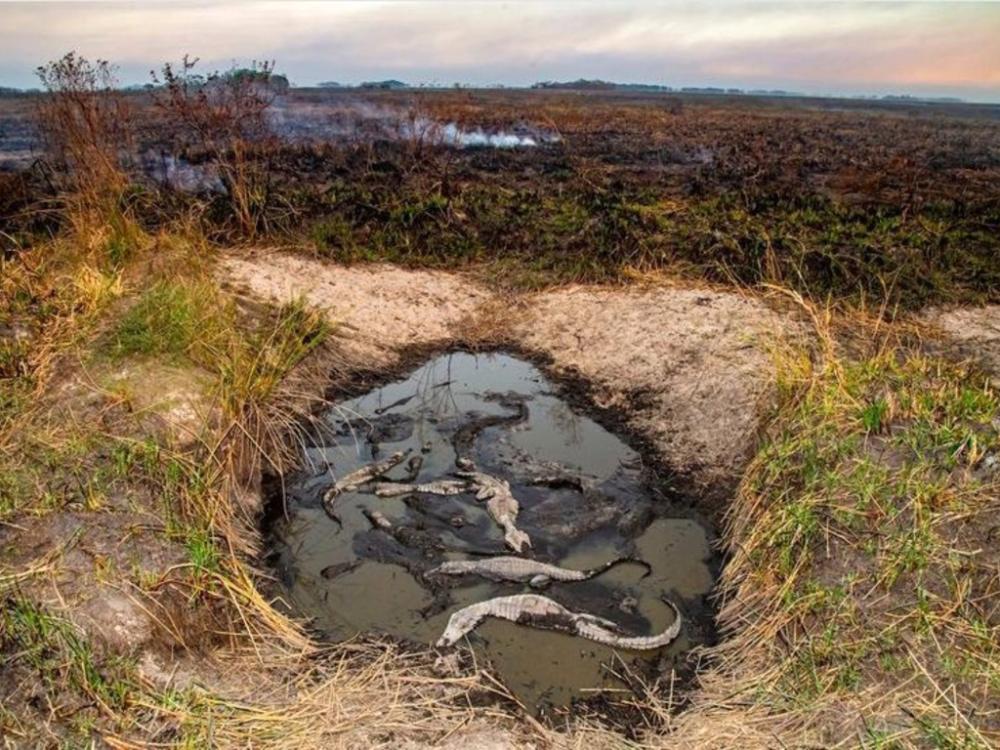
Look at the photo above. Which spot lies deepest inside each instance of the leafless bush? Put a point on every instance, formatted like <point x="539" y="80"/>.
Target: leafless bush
<point x="86" y="125"/>
<point x="223" y="117"/>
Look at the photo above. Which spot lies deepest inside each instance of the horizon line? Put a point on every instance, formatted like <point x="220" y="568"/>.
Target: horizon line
<point x="560" y="85"/>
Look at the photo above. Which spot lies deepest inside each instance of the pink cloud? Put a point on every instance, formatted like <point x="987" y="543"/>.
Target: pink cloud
<point x="838" y="47"/>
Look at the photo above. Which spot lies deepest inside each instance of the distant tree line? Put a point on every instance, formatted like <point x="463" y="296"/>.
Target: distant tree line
<point x="279" y="83"/>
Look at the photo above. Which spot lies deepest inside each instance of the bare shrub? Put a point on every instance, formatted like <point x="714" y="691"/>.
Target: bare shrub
<point x="86" y="125"/>
<point x="223" y="117"/>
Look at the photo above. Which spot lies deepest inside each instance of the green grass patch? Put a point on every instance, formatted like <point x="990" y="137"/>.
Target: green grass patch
<point x="169" y="319"/>
<point x="873" y="496"/>
<point x="59" y="655"/>
<point x="253" y="365"/>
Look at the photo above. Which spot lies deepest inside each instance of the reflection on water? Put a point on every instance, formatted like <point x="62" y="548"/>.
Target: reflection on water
<point x="351" y="578"/>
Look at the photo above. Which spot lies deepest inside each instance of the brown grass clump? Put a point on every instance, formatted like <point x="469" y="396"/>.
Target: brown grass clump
<point x="87" y="126"/>
<point x="67" y="454"/>
<point x="363" y="695"/>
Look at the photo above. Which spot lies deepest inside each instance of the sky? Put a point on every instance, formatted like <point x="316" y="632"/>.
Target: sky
<point x="843" y="48"/>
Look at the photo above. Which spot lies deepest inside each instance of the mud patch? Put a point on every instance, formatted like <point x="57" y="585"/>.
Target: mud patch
<point x="585" y="498"/>
<point x="973" y="331"/>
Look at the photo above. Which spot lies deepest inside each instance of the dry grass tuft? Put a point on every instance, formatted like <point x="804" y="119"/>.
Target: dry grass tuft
<point x="855" y="606"/>
<point x="357" y="695"/>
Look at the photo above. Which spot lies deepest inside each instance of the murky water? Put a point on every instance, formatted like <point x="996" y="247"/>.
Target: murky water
<point x="501" y="413"/>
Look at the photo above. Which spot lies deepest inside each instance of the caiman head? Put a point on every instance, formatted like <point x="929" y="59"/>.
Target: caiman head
<point x="516" y="539"/>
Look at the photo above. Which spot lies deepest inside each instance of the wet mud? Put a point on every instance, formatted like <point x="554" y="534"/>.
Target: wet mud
<point x="585" y="498"/>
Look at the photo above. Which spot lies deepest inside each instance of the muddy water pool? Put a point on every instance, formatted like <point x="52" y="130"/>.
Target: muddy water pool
<point x="499" y="412"/>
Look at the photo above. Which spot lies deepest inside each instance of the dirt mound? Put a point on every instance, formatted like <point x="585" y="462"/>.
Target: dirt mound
<point x="378" y="308"/>
<point x="687" y="368"/>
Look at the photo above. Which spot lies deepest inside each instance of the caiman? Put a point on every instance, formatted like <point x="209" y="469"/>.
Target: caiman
<point x="534" y="610"/>
<point x="438" y="487"/>
<point x="518" y="569"/>
<point x="357" y="478"/>
<point x="500" y="504"/>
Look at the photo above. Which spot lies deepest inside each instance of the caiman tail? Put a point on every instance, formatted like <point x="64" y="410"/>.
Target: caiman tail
<point x="593" y="572"/>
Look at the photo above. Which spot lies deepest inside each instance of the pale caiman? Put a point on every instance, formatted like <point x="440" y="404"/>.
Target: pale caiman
<point x="519" y="569"/>
<point x="534" y="610"/>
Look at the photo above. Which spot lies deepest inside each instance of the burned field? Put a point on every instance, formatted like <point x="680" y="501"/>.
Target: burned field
<point x="733" y="191"/>
<point x="750" y="343"/>
<point x="857" y="202"/>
